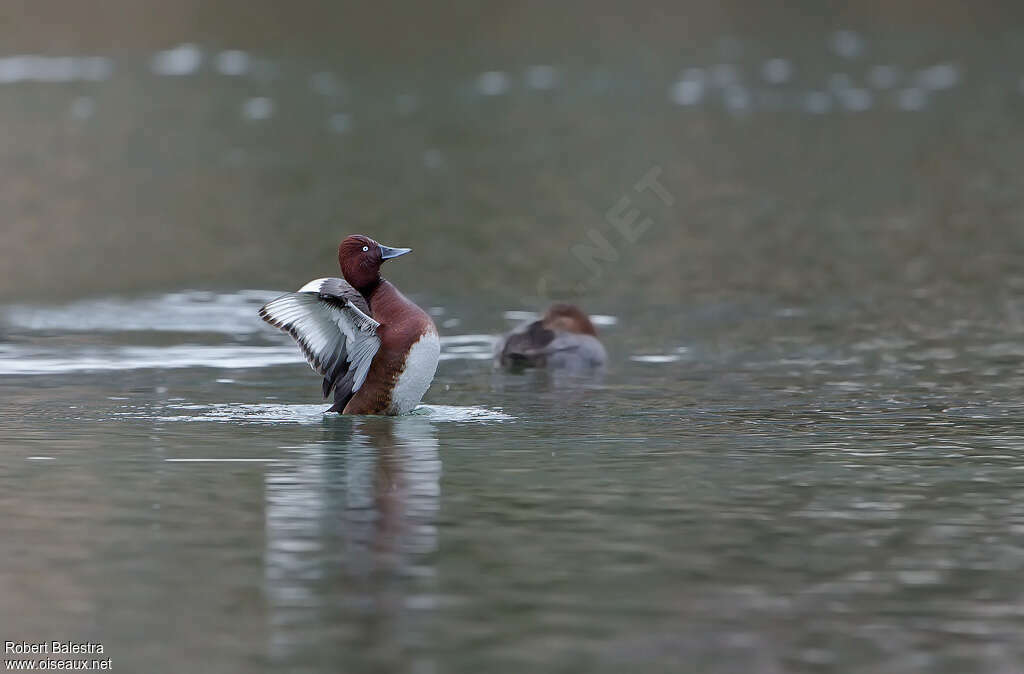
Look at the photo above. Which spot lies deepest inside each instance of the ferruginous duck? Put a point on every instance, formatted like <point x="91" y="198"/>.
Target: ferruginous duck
<point x="563" y="339"/>
<point x="376" y="350"/>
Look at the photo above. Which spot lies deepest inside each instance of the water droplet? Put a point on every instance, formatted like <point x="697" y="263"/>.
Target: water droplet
<point x="258" y="108"/>
<point x="184" y="59"/>
<point x="541" y="77"/>
<point x="340" y="122"/>
<point x="687" y="92"/>
<point x="847" y="43"/>
<point x="937" y="77"/>
<point x="777" y="70"/>
<point x="492" y="83"/>
<point x="232" y="62"/>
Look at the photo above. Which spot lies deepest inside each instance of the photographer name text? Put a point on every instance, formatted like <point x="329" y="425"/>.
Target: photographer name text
<point x="54" y="647"/>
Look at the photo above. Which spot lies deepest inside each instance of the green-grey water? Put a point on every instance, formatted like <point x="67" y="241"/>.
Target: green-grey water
<point x="801" y="241"/>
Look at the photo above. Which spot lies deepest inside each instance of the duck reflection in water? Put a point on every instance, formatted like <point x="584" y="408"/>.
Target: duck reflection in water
<point x="350" y="530"/>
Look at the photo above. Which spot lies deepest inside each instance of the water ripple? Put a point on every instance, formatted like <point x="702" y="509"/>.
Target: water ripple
<point x="275" y="413"/>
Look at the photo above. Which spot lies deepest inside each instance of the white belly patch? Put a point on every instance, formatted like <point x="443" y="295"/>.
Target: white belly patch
<point x="420" y="366"/>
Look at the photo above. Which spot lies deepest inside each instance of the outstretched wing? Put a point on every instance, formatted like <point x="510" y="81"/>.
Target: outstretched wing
<point x="329" y="320"/>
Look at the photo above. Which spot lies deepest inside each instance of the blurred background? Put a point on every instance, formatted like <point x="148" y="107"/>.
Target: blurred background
<point x="812" y="148"/>
<point x="798" y="225"/>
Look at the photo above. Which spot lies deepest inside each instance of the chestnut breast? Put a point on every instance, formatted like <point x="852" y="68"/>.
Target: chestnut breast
<point x="403" y="328"/>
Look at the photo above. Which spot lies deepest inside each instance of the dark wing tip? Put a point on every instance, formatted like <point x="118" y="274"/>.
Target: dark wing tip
<point x="265" y="315"/>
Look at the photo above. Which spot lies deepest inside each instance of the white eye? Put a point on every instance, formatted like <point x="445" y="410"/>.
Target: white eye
<point x="366" y="248"/>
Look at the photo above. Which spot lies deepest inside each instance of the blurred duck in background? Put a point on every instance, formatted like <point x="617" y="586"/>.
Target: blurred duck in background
<point x="563" y="339"/>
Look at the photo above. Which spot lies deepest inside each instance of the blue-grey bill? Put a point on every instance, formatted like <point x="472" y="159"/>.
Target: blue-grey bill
<point x="387" y="252"/>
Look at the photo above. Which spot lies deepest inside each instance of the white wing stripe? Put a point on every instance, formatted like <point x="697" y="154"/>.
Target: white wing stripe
<point x="313" y="286"/>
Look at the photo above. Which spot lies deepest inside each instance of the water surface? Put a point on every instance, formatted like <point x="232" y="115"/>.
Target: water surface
<point x="802" y="502"/>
